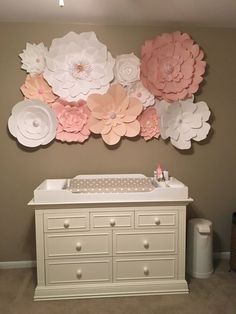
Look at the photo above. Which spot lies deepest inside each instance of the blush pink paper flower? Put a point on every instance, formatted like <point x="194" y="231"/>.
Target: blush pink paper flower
<point x="172" y="66"/>
<point x="114" y="114"/>
<point x="149" y="124"/>
<point x="35" y="87"/>
<point x="72" y="121"/>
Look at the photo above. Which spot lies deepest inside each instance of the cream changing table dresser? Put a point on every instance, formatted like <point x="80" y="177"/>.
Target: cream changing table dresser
<point x="109" y="244"/>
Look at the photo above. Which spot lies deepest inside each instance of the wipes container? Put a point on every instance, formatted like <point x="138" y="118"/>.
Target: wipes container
<point x="199" y="248"/>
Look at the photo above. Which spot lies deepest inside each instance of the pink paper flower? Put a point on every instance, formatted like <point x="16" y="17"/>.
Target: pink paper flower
<point x="36" y="87"/>
<point x="149" y="124"/>
<point x="114" y="114"/>
<point x="172" y="66"/>
<point x="72" y="121"/>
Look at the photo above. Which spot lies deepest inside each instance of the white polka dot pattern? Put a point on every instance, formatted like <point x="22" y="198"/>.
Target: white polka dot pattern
<point x="111" y="185"/>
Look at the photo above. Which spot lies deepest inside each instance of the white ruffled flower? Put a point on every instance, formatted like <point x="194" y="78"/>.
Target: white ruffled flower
<point x="33" y="58"/>
<point x="127" y="69"/>
<point x="183" y="121"/>
<point x="137" y="90"/>
<point x="33" y="123"/>
<point x="78" y="65"/>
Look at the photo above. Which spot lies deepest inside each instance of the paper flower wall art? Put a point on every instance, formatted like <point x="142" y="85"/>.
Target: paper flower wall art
<point x="183" y="121"/>
<point x="33" y="123"/>
<point x="72" y="121"/>
<point x="33" y="58"/>
<point x="172" y="66"/>
<point x="127" y="69"/>
<point x="78" y="65"/>
<point x="114" y="114"/>
<point x="137" y="90"/>
<point x="149" y="124"/>
<point x="76" y="88"/>
<point x="35" y="87"/>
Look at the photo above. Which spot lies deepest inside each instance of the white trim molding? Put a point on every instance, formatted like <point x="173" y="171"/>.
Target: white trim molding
<point x="17" y="264"/>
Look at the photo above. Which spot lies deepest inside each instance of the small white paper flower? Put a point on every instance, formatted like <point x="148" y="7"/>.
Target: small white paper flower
<point x="137" y="90"/>
<point x="127" y="69"/>
<point x="183" y="121"/>
<point x="78" y="65"/>
<point x="33" y="123"/>
<point x="33" y="58"/>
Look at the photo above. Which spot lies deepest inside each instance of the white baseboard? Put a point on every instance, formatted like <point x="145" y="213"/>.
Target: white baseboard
<point x="17" y="264"/>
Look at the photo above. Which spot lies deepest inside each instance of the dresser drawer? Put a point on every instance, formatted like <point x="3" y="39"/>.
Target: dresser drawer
<point x="75" y="244"/>
<point x="141" y="268"/>
<point x="163" y="241"/>
<point x="65" y="222"/>
<point x="78" y="271"/>
<point x="147" y="219"/>
<point x="112" y="220"/>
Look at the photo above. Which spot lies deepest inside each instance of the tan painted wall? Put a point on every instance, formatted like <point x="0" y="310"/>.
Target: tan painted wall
<point x="209" y="169"/>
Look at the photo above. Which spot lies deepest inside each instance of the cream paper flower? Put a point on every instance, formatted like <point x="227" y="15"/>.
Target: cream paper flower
<point x="33" y="123"/>
<point x="127" y="69"/>
<point x="183" y="121"/>
<point x="137" y="90"/>
<point x="78" y="65"/>
<point x="33" y="58"/>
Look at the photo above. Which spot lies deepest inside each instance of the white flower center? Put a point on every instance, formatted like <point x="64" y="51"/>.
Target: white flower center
<point x="36" y="123"/>
<point x="81" y="70"/>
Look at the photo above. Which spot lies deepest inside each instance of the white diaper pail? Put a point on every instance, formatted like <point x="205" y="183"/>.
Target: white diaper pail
<point x="199" y="248"/>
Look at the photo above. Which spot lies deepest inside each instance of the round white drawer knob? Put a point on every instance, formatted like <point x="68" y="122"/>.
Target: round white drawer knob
<point x="146" y="244"/>
<point x="66" y="224"/>
<point x="157" y="220"/>
<point x="145" y="271"/>
<point x="79" y="273"/>
<point x="112" y="222"/>
<point x="78" y="246"/>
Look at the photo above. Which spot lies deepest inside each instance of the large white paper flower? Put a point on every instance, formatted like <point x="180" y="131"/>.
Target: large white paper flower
<point x="33" y="58"/>
<point x="78" y="65"/>
<point x="33" y="123"/>
<point x="137" y="90"/>
<point x="127" y="69"/>
<point x="183" y="121"/>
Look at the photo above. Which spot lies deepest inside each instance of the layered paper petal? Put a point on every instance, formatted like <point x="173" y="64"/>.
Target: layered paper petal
<point x="33" y="123"/>
<point x="78" y="65"/>
<point x="35" y="87"/>
<point x="183" y="121"/>
<point x="72" y="121"/>
<point x="117" y="119"/>
<point x="172" y="66"/>
<point x="33" y="58"/>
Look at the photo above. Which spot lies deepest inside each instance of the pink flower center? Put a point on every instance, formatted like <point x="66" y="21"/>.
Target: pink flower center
<point x="113" y="115"/>
<point x="40" y="91"/>
<point x="37" y="60"/>
<point x="79" y="68"/>
<point x="168" y="68"/>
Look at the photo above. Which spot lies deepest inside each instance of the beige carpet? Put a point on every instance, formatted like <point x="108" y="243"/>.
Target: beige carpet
<point x="216" y="295"/>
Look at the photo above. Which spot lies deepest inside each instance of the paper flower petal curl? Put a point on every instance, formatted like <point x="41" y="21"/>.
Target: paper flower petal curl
<point x="78" y="65"/>
<point x="183" y="121"/>
<point x="33" y="123"/>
